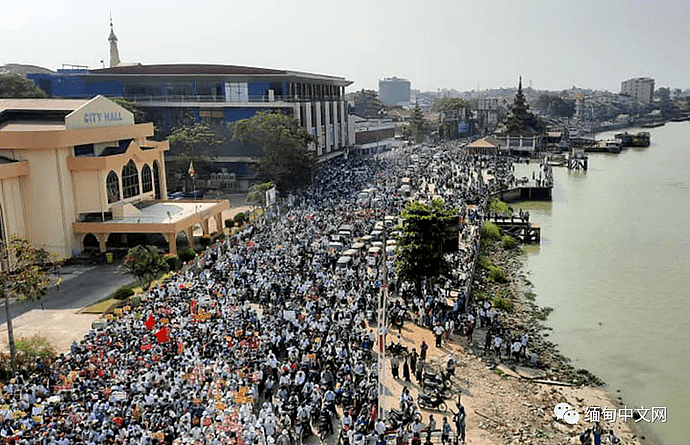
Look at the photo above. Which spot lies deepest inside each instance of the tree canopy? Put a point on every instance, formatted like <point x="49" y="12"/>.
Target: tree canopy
<point x="17" y="86"/>
<point x="23" y="277"/>
<point x="450" y="103"/>
<point x="145" y="263"/>
<point x="421" y="243"/>
<point x="287" y="162"/>
<point x="139" y="115"/>
<point x="555" y="106"/>
<point x="189" y="140"/>
<point x="257" y="193"/>
<point x="368" y="104"/>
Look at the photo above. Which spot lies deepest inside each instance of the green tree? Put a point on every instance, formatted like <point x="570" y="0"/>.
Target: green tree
<point x="663" y="94"/>
<point x="190" y="142"/>
<point x="287" y="162"/>
<point x="145" y="263"/>
<point x="16" y="85"/>
<point x="139" y="115"/>
<point x="555" y="106"/>
<point x="257" y="193"/>
<point x="420" y="245"/>
<point x="450" y="103"/>
<point x="24" y="277"/>
<point x="368" y="105"/>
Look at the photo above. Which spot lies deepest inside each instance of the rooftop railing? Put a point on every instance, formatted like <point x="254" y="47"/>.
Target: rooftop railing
<point x="223" y="99"/>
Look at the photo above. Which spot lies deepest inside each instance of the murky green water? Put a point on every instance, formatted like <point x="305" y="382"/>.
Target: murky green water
<point x="614" y="263"/>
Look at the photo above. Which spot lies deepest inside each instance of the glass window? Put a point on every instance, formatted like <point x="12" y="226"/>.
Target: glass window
<point x="83" y="150"/>
<point x="112" y="186"/>
<point x="130" y="180"/>
<point x="146" y="179"/>
<point x="157" y="179"/>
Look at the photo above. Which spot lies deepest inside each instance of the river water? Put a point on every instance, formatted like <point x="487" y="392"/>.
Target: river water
<point x="614" y="263"/>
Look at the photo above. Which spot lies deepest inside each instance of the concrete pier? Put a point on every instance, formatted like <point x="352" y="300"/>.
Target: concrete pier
<point x="523" y="230"/>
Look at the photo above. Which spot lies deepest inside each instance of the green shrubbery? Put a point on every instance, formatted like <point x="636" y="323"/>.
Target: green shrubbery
<point x="502" y="303"/>
<point x="173" y="261"/>
<point x="496" y="275"/>
<point x="135" y="301"/>
<point x="123" y="293"/>
<point x="484" y="262"/>
<point x="240" y="219"/>
<point x="186" y="255"/>
<point x="229" y="223"/>
<point x="480" y="296"/>
<point x="29" y="351"/>
<point x="498" y="206"/>
<point x="491" y="231"/>
<point x="510" y="243"/>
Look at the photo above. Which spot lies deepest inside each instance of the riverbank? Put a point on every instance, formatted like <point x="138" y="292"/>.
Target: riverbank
<point x="524" y="407"/>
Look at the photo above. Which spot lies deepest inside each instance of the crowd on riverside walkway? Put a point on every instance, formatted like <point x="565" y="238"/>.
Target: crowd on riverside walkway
<point x="264" y="340"/>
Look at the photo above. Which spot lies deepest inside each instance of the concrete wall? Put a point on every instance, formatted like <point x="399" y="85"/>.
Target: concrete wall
<point x="12" y="207"/>
<point x="90" y="189"/>
<point x="49" y="201"/>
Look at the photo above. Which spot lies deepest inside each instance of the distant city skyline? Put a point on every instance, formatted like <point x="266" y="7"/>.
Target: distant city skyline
<point x="443" y="45"/>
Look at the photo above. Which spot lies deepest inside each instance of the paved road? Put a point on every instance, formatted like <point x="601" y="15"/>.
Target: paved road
<point x="56" y="316"/>
<point x="82" y="285"/>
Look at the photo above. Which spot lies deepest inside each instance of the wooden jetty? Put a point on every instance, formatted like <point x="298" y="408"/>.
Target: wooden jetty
<point x="521" y="229"/>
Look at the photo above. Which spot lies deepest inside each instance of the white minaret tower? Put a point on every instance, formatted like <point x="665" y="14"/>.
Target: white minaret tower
<point x="114" y="53"/>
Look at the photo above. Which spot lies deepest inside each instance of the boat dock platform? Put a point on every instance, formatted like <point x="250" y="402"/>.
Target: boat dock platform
<point x="521" y="229"/>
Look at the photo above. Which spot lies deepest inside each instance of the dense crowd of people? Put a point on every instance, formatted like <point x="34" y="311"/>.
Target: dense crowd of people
<point x="263" y="340"/>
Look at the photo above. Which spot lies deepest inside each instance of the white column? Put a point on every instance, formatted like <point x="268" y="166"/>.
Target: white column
<point x="343" y="125"/>
<point x="319" y="129"/>
<point x="336" y="126"/>
<point x="327" y="124"/>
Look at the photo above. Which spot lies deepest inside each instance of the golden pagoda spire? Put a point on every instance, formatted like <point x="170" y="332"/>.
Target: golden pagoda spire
<point x="114" y="53"/>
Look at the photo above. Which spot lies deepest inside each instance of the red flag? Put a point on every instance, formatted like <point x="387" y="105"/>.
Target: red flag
<point x="162" y="335"/>
<point x="150" y="322"/>
<point x="146" y="347"/>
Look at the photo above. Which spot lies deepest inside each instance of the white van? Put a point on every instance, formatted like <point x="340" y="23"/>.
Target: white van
<point x="374" y="256"/>
<point x="335" y="245"/>
<point x="354" y="254"/>
<point x="344" y="262"/>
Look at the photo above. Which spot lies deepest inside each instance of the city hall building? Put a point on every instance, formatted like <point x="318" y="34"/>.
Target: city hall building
<point x="78" y="174"/>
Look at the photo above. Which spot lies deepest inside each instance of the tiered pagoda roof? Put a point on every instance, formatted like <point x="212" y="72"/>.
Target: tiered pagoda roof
<point x="520" y="121"/>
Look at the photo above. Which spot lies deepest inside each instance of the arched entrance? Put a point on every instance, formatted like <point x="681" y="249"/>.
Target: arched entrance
<point x="212" y="225"/>
<point x="91" y="243"/>
<point x="198" y="230"/>
<point x="181" y="240"/>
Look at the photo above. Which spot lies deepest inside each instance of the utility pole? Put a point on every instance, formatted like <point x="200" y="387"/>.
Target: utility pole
<point x="383" y="302"/>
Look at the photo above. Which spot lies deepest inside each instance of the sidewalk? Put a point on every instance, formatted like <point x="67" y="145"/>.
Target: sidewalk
<point x="57" y="315"/>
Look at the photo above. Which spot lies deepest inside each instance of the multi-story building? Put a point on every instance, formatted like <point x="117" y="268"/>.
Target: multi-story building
<point x="641" y="89"/>
<point x="78" y="174"/>
<point x="394" y="91"/>
<point x="216" y="94"/>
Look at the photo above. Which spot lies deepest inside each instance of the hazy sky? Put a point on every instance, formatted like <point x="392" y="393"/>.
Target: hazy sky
<point x="461" y="44"/>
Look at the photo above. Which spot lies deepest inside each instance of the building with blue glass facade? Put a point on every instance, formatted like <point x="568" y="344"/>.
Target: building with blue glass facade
<point x="216" y="94"/>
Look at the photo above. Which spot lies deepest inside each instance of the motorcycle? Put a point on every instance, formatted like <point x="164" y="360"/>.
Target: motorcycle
<point x="401" y="418"/>
<point x="441" y="379"/>
<point x="433" y="387"/>
<point x="434" y="400"/>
